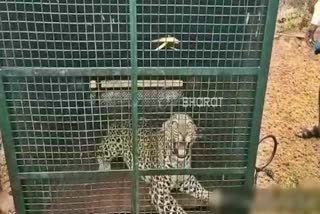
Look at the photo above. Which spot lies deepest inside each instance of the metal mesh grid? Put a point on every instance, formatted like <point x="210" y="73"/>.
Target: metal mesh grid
<point x="65" y="33"/>
<point x="107" y="195"/>
<point x="95" y="33"/>
<point x="93" y="196"/>
<point x="211" y="33"/>
<point x="57" y="122"/>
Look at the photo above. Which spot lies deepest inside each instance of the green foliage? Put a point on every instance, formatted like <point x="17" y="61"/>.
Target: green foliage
<point x="291" y="181"/>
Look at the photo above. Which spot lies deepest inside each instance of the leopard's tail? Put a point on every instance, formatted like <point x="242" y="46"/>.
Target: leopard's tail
<point x="309" y="132"/>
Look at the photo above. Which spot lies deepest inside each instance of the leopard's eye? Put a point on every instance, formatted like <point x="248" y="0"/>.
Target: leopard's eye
<point x="174" y="124"/>
<point x="191" y="125"/>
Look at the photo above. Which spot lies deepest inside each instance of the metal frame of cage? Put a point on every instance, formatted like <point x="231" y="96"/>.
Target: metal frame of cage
<point x="134" y="72"/>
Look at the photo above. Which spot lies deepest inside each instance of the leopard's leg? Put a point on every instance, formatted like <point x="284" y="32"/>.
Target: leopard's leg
<point x="161" y="197"/>
<point x="108" y="150"/>
<point x="193" y="187"/>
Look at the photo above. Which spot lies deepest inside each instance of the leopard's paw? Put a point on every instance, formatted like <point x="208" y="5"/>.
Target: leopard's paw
<point x="104" y="166"/>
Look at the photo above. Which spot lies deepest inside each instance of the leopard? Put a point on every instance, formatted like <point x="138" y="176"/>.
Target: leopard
<point x="168" y="147"/>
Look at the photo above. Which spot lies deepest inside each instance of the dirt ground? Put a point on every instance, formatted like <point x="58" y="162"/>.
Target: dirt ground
<point x="291" y="104"/>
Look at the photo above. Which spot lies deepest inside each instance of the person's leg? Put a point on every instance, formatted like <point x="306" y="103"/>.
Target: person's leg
<point x="315" y="23"/>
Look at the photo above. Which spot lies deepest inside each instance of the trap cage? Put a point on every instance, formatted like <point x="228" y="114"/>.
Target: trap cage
<point x="72" y="68"/>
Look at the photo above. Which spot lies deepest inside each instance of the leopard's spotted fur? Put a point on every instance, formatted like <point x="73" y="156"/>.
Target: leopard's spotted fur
<point x="169" y="147"/>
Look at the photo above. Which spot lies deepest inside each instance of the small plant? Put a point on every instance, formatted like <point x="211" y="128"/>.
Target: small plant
<point x="291" y="181"/>
<point x="294" y="14"/>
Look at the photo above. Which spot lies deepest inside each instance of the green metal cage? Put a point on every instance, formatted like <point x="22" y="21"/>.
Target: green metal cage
<point x="70" y="68"/>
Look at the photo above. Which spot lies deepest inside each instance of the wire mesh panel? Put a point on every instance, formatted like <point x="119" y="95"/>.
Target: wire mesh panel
<point x="66" y="196"/>
<point x="211" y="33"/>
<point x="58" y="121"/>
<point x="65" y="33"/>
<point x="90" y="87"/>
<point x="95" y="33"/>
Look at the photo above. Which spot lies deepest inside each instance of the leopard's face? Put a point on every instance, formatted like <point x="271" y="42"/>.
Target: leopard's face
<point x="180" y="134"/>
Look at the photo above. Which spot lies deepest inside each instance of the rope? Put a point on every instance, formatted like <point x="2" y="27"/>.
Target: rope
<point x="275" y="146"/>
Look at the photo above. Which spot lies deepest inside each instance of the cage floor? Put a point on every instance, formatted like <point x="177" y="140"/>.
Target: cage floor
<point x="113" y="197"/>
